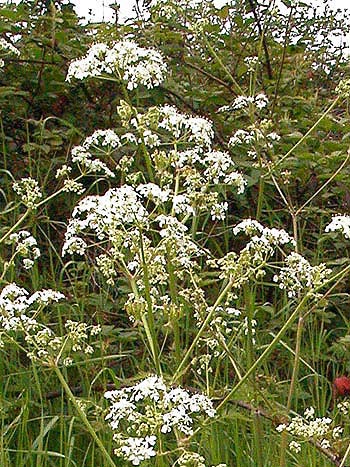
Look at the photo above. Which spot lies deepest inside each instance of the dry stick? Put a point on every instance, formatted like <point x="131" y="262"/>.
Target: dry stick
<point x="209" y="75"/>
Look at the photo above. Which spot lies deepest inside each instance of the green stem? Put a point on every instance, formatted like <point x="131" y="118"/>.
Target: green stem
<point x="149" y="323"/>
<point x="293" y="381"/>
<point x="201" y="330"/>
<point x="260" y="198"/>
<point x="266" y="352"/>
<point x="14" y="227"/>
<point x="223" y="66"/>
<point x="81" y="413"/>
<point x="325" y="113"/>
<point x="337" y="277"/>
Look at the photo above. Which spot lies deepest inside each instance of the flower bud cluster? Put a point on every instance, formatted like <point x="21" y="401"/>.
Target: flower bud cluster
<point x="298" y="275"/>
<point x="26" y="247"/>
<point x="28" y="190"/>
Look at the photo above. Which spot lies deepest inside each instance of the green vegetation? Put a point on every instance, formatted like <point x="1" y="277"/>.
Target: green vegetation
<point x="174" y="236"/>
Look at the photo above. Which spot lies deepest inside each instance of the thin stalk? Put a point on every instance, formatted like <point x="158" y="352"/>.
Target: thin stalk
<point x="325" y="184"/>
<point x="293" y="381"/>
<point x="201" y="330"/>
<point x="149" y="323"/>
<point x="14" y="227"/>
<point x="26" y="213"/>
<point x="223" y="66"/>
<point x="249" y="305"/>
<point x="260" y="198"/>
<point x="302" y="139"/>
<point x="148" y="332"/>
<point x="266" y="352"/>
<point x="81" y="413"/>
<point x="337" y="277"/>
<point x="347" y="452"/>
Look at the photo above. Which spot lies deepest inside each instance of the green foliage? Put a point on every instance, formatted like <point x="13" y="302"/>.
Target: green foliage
<point x="225" y="324"/>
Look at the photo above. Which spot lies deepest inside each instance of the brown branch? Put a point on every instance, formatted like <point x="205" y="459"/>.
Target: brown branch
<point x="286" y="39"/>
<point x="40" y="62"/>
<point x="212" y="77"/>
<point x="262" y="35"/>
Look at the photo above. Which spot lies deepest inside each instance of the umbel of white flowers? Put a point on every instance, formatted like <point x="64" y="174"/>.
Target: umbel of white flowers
<point x="124" y="60"/>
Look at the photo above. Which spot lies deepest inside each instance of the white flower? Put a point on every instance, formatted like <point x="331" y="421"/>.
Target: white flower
<point x="309" y="413"/>
<point x="7" y="47"/>
<point x="295" y="447"/>
<point x="181" y="205"/>
<point x="104" y="138"/>
<point x="298" y="275"/>
<point x="242" y="137"/>
<point x="249" y="227"/>
<point x="125" y="60"/>
<point x="26" y="246"/>
<point x="149" y="407"/>
<point x="28" y="190"/>
<point x="137" y="450"/>
<point x="85" y="159"/>
<point x="340" y="222"/>
<point x="153" y="192"/>
<point x="218" y="211"/>
<point x="103" y="215"/>
<point x="260" y="101"/>
<point x="199" y="130"/>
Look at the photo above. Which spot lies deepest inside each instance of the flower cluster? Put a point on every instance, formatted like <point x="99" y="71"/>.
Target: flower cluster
<point x="46" y="347"/>
<point x="255" y="135"/>
<point x="139" y="413"/>
<point x="28" y="190"/>
<point x="17" y="308"/>
<point x="250" y="262"/>
<point x="179" y="247"/>
<point x="260" y="101"/>
<point x="298" y="275"/>
<point x="18" y="314"/>
<point x="310" y="427"/>
<point x="125" y="60"/>
<point x="341" y="223"/>
<point x="87" y="163"/>
<point x="251" y="63"/>
<point x="25" y="246"/>
<point x="6" y="48"/>
<point x="343" y="88"/>
<point x="103" y="215"/>
<point x="197" y="129"/>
